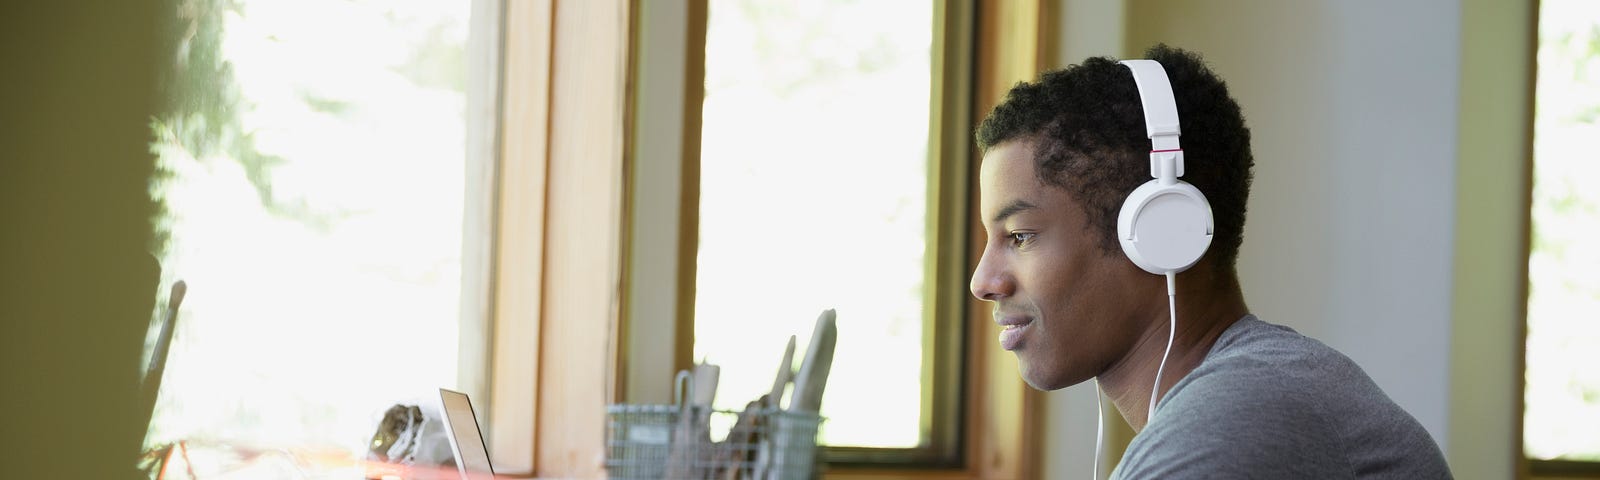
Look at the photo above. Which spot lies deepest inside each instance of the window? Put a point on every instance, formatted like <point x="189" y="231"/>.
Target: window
<point x="314" y="157"/>
<point x="814" y="187"/>
<point x="1562" y="395"/>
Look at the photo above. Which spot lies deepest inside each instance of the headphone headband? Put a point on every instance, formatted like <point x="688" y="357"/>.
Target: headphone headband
<point x="1160" y="111"/>
<point x="1160" y="116"/>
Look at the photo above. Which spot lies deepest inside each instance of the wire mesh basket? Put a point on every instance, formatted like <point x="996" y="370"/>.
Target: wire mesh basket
<point x="684" y="442"/>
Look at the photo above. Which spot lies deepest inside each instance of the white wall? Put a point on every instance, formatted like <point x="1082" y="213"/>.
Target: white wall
<point x="1353" y="106"/>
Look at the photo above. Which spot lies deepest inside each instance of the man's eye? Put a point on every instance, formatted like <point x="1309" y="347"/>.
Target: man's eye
<point x="1019" y="238"/>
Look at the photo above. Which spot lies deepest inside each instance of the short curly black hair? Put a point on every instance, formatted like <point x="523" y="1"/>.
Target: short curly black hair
<point x="1089" y="127"/>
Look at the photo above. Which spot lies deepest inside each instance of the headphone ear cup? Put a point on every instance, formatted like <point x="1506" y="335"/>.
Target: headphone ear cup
<point x="1165" y="228"/>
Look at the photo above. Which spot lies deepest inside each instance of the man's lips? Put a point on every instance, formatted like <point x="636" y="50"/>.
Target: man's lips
<point x="1015" y="326"/>
<point x="1012" y="321"/>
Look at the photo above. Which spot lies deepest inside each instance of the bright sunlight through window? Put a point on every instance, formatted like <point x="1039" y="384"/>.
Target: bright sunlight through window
<point x="1563" y="385"/>
<point x="814" y="179"/>
<point x="312" y="156"/>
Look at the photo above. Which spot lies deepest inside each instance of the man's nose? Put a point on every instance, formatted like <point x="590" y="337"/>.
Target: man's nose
<point x="990" y="281"/>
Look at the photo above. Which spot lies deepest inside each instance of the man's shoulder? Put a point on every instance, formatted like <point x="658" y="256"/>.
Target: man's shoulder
<point x="1260" y="374"/>
<point x="1267" y="399"/>
<point x="1239" y="417"/>
<point x="1262" y="388"/>
<point x="1256" y="358"/>
<point x="1251" y="339"/>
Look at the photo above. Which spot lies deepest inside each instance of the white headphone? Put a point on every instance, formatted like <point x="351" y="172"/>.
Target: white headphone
<point x="1165" y="225"/>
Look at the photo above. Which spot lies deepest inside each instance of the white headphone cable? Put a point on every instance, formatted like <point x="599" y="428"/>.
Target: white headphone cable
<point x="1172" y="304"/>
<point x="1099" y="427"/>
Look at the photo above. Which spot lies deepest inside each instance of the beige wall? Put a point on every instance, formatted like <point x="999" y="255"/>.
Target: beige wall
<point x="1491" y="221"/>
<point x="79" y="283"/>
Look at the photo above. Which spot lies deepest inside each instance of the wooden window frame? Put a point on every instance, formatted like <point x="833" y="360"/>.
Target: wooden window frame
<point x="1563" y="469"/>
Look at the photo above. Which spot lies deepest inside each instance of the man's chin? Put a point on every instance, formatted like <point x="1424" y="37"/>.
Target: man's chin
<point x="1037" y="379"/>
<point x="1044" y="379"/>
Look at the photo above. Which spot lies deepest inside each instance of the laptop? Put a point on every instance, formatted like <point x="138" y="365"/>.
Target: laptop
<point x="466" y="441"/>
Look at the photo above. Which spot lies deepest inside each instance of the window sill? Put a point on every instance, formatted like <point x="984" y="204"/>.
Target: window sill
<point x="898" y="474"/>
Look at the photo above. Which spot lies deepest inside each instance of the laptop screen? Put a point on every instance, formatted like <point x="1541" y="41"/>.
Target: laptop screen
<point x="472" y="458"/>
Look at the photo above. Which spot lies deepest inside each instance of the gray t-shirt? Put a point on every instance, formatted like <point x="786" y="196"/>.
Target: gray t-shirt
<point x="1268" y="402"/>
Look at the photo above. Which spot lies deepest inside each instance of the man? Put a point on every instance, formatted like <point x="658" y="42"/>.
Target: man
<point x="1237" y="397"/>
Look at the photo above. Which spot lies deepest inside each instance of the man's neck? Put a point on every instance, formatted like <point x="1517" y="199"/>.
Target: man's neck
<point x="1204" y="312"/>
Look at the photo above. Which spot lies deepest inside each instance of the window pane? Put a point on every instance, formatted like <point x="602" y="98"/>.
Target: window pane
<point x="314" y="162"/>
<point x="1563" y="387"/>
<point x="814" y="179"/>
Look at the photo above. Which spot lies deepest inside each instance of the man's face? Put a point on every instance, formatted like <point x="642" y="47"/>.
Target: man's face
<point x="1061" y="300"/>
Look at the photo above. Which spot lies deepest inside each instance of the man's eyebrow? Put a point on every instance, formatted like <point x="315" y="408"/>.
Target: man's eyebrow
<point x="1011" y="209"/>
